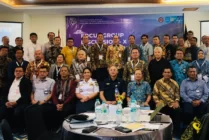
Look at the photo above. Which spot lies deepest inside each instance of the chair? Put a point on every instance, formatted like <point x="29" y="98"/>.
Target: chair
<point x="35" y="125"/>
<point x="6" y="130"/>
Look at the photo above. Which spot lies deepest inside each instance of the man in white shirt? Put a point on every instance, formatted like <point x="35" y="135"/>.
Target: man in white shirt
<point x="205" y="47"/>
<point x="18" y="98"/>
<point x="50" y="43"/>
<point x="31" y="47"/>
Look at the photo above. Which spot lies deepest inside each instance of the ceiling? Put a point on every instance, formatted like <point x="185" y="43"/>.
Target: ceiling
<point x="37" y="7"/>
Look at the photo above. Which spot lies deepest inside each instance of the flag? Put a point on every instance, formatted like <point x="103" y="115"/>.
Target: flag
<point x="185" y="32"/>
<point x="59" y="33"/>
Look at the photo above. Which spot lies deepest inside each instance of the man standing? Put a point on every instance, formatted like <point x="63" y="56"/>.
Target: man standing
<point x="166" y="92"/>
<point x="5" y="42"/>
<point x="127" y="51"/>
<point x="63" y="96"/>
<point x="84" y="46"/>
<point x="19" y="45"/>
<point x="33" y="66"/>
<point x="98" y="59"/>
<point x="146" y="49"/>
<point x="175" y="40"/>
<point x="191" y="52"/>
<point x="42" y="93"/>
<point x="69" y="51"/>
<point x="31" y="47"/>
<point x="18" y="98"/>
<point x="4" y="62"/>
<point x="190" y="35"/>
<point x="115" y="54"/>
<point x="156" y="43"/>
<point x="179" y="67"/>
<point x="132" y="65"/>
<point x="205" y="47"/>
<point x="52" y="52"/>
<point x="194" y="93"/>
<point x="50" y="43"/>
<point x="170" y="50"/>
<point x="18" y="62"/>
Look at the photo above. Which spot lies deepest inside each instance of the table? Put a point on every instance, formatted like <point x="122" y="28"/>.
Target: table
<point x="164" y="133"/>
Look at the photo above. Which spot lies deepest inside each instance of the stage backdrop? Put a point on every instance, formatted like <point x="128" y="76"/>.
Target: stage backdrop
<point x="123" y="26"/>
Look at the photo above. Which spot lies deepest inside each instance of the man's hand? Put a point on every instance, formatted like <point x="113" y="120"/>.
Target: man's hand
<point x="146" y="104"/>
<point x="175" y="105"/>
<point x="59" y="107"/>
<point x="85" y="99"/>
<point x="113" y="102"/>
<point x="8" y="105"/>
<point x="108" y="102"/>
<point x="196" y="103"/>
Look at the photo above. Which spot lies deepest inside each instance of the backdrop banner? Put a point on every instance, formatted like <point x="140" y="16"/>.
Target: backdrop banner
<point x="123" y="26"/>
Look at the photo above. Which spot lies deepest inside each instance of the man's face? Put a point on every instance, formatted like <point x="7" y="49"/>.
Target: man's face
<point x="42" y="73"/>
<point x="113" y="71"/>
<point x="156" y="41"/>
<point x="179" y="55"/>
<point x="60" y="59"/>
<point x="18" y="42"/>
<point x="18" y="72"/>
<point x="4" y="52"/>
<point x="157" y="53"/>
<point x="131" y="40"/>
<point x="189" y="35"/>
<point x="100" y="38"/>
<point x="138" y="75"/>
<point x="57" y="41"/>
<point x="207" y="40"/>
<point x="144" y="39"/>
<point x="81" y="55"/>
<point x="134" y="54"/>
<point x="19" y="54"/>
<point x="33" y="38"/>
<point x="175" y="40"/>
<point x="192" y="73"/>
<point x="167" y="73"/>
<point x="85" y="39"/>
<point x="166" y="40"/>
<point x="64" y="72"/>
<point x="5" y="40"/>
<point x="201" y="55"/>
<point x="38" y="55"/>
<point x="193" y="42"/>
<point x="181" y="41"/>
<point x="70" y="43"/>
<point x="116" y="40"/>
<point x="51" y="36"/>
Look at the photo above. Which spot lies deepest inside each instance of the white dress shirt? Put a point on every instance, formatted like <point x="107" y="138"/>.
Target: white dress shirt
<point x="14" y="91"/>
<point x="29" y="51"/>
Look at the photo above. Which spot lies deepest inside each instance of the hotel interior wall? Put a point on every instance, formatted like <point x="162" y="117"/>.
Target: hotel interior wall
<point x="44" y="23"/>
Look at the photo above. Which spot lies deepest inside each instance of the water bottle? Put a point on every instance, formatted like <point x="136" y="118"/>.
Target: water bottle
<point x="116" y="92"/>
<point x="133" y="111"/>
<point x="104" y="112"/>
<point x="118" y="113"/>
<point x="97" y="110"/>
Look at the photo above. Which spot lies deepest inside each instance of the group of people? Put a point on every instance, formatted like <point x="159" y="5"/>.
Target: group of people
<point x="67" y="80"/>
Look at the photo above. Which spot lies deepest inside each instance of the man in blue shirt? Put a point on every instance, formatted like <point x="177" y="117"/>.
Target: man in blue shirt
<point x="194" y="93"/>
<point x="179" y="67"/>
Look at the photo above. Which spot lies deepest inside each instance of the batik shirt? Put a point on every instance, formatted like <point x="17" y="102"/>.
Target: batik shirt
<point x="166" y="92"/>
<point x="130" y="68"/>
<point x="52" y="53"/>
<point x="4" y="62"/>
<point x="140" y="91"/>
<point x="98" y="55"/>
<point x="179" y="70"/>
<point x="114" y="56"/>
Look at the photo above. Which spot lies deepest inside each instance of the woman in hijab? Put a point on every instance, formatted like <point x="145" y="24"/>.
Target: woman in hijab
<point x="202" y="66"/>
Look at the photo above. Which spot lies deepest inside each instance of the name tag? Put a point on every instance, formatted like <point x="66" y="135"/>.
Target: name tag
<point x="100" y="57"/>
<point x="205" y="78"/>
<point x="88" y="58"/>
<point x="199" y="76"/>
<point x="132" y="77"/>
<point x="77" y="77"/>
<point x="60" y="97"/>
<point x="34" y="77"/>
<point x="120" y="55"/>
<point x="129" y="58"/>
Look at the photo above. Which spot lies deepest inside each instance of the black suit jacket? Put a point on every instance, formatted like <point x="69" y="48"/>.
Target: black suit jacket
<point x="25" y="90"/>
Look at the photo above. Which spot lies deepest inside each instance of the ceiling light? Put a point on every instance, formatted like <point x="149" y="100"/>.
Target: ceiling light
<point x="190" y="9"/>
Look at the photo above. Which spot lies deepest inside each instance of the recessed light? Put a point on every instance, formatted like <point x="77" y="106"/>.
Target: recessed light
<point x="190" y="9"/>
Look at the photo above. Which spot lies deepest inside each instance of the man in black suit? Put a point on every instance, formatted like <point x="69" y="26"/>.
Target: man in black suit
<point x="18" y="98"/>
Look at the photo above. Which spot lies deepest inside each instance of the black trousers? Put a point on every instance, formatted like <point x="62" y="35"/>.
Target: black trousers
<point x="190" y="111"/>
<point x="15" y="116"/>
<point x="100" y="74"/>
<point x="175" y="116"/>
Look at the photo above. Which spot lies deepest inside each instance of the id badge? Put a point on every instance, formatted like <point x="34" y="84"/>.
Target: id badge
<point x="120" y="55"/>
<point x="132" y="77"/>
<point x="77" y="77"/>
<point x="129" y="58"/>
<point x="199" y="76"/>
<point x="60" y="97"/>
<point x="100" y="57"/>
<point x="88" y="58"/>
<point x="46" y="91"/>
<point x="34" y="77"/>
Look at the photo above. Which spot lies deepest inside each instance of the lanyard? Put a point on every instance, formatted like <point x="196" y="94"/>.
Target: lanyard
<point x="20" y="64"/>
<point x="58" y="70"/>
<point x="36" y="66"/>
<point x="132" y="64"/>
<point x="100" y="48"/>
<point x="88" y="50"/>
<point x="199" y="65"/>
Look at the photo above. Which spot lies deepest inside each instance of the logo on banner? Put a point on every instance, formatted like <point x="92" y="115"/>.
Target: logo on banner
<point x="73" y="21"/>
<point x="160" y="19"/>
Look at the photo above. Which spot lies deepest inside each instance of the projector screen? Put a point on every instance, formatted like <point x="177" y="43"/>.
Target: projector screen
<point x="204" y="28"/>
<point x="10" y="29"/>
